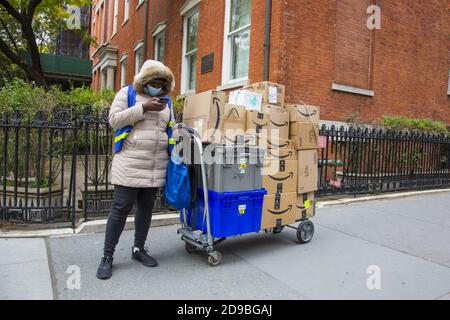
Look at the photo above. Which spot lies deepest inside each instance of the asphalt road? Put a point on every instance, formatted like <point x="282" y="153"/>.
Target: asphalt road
<point x="403" y="243"/>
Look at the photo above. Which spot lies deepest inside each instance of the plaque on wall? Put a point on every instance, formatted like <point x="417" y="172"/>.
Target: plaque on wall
<point x="207" y="63"/>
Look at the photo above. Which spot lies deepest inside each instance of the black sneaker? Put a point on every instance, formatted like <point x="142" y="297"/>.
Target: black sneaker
<point x="142" y="256"/>
<point x="104" y="271"/>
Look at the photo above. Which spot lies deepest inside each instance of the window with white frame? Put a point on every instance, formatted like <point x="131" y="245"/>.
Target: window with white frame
<point x="138" y="57"/>
<point x="126" y="11"/>
<point x="448" y="91"/>
<point x="190" y="37"/>
<point x="116" y="15"/>
<point x="160" y="46"/>
<point x="123" y="71"/>
<point x="236" y="41"/>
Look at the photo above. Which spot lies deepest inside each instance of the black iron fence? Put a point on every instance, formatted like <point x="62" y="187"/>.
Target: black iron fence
<point x="370" y="160"/>
<point x="56" y="167"/>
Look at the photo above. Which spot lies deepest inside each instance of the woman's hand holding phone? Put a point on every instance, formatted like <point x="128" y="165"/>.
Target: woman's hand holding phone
<point x="153" y="104"/>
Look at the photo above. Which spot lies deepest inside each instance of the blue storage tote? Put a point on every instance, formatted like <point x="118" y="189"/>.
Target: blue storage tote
<point x="231" y="213"/>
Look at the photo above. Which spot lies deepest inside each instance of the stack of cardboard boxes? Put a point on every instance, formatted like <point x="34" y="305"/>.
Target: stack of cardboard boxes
<point x="304" y="130"/>
<point x="257" y="115"/>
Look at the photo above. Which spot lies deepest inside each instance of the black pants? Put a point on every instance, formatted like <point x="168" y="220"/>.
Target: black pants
<point x="124" y="200"/>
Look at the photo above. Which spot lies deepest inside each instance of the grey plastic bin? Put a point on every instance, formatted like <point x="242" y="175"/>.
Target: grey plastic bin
<point x="233" y="168"/>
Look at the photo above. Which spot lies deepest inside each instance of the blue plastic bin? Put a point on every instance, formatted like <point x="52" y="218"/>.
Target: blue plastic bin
<point x="231" y="213"/>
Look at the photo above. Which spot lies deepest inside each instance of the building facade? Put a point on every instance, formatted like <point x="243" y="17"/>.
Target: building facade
<point x="365" y="58"/>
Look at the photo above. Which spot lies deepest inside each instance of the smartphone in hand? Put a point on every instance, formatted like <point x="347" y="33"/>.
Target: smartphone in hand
<point x="164" y="100"/>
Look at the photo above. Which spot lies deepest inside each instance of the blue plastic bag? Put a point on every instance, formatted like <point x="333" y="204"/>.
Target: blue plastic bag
<point x="177" y="190"/>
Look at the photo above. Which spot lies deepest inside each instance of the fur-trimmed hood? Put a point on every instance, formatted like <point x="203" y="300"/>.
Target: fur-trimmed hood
<point x="154" y="70"/>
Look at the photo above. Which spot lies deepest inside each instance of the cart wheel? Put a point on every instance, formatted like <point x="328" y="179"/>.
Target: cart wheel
<point x="305" y="232"/>
<point x="278" y="230"/>
<point x="189" y="248"/>
<point x="214" y="260"/>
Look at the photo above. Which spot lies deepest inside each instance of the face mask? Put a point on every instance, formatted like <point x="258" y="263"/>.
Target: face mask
<point x="152" y="91"/>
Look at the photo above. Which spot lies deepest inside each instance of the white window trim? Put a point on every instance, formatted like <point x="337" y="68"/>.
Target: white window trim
<point x="123" y="77"/>
<point x="115" y="17"/>
<point x="140" y="2"/>
<point x="354" y="90"/>
<point x="156" y="37"/>
<point x="184" y="64"/>
<point x="227" y="46"/>
<point x="139" y="45"/>
<point x="160" y="27"/>
<point x="188" y="6"/>
<point x="126" y="11"/>
<point x="448" y="91"/>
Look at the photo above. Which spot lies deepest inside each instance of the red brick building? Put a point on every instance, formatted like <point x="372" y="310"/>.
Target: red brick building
<point x="322" y="50"/>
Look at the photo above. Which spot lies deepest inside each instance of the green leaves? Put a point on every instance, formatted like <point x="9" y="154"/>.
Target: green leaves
<point x="422" y="125"/>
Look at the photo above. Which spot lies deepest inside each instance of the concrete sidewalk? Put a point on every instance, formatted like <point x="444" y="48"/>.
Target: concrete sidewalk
<point x="24" y="270"/>
<point x="405" y="240"/>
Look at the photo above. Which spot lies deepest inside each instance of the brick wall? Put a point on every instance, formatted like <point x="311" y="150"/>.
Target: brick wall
<point x="317" y="43"/>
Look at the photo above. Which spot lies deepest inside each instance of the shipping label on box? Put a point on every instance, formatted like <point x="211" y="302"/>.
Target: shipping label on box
<point x="279" y="210"/>
<point x="303" y="113"/>
<point x="272" y="93"/>
<point x="306" y="206"/>
<point x="250" y="100"/>
<point x="305" y="135"/>
<point x="307" y="171"/>
<point x="280" y="176"/>
<point x="257" y="122"/>
<point x="204" y="112"/>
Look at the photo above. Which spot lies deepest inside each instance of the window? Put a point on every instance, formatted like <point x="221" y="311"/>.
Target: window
<point x="159" y="45"/>
<point x="138" y="57"/>
<point x="237" y="40"/>
<point x="190" y="50"/>
<point x="126" y="12"/>
<point x="116" y="14"/>
<point x="123" y="71"/>
<point x="448" y="91"/>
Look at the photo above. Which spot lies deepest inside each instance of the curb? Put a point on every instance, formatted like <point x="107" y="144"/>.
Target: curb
<point x="99" y="226"/>
<point x="340" y="202"/>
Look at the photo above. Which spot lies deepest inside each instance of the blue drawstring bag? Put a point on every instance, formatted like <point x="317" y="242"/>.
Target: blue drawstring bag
<point x="177" y="190"/>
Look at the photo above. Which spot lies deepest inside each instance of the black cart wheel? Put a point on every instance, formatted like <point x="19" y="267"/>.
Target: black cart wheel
<point x="190" y="248"/>
<point x="278" y="230"/>
<point x="215" y="259"/>
<point x="305" y="231"/>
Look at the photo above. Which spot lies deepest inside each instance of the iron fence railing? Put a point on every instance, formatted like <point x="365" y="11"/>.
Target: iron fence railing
<point x="363" y="160"/>
<point x="56" y="167"/>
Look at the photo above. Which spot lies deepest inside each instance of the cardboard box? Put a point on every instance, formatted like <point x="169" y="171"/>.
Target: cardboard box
<point x="305" y="135"/>
<point x="257" y="122"/>
<point x="303" y="113"/>
<point x="272" y="93"/>
<point x="274" y="143"/>
<point x="307" y="171"/>
<point x="306" y="206"/>
<point x="249" y="99"/>
<point x="246" y="139"/>
<point x="234" y="121"/>
<point x="279" y="210"/>
<point x="280" y="176"/>
<point x="280" y="154"/>
<point x="204" y="112"/>
<point x="278" y="122"/>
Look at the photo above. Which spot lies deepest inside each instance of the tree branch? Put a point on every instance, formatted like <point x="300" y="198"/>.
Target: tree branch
<point x="11" y="55"/>
<point x="9" y="35"/>
<point x="32" y="8"/>
<point x="12" y="11"/>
